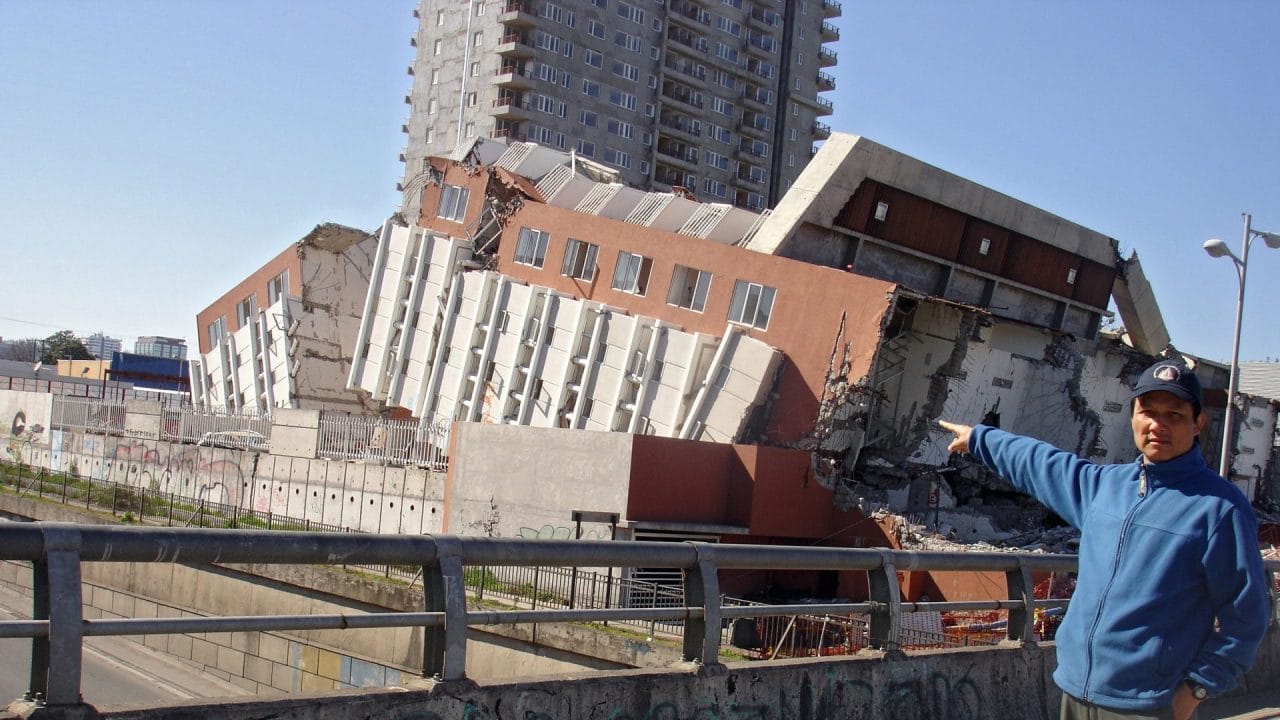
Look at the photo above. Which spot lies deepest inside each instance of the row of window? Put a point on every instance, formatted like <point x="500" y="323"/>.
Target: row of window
<point x="246" y="309"/>
<point x="752" y="303"/>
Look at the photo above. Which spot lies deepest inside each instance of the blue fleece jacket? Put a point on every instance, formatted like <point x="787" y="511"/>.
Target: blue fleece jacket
<point x="1165" y="549"/>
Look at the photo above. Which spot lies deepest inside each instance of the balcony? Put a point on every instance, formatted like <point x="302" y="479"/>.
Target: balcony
<point x="755" y="123"/>
<point x="510" y="107"/>
<point x="821" y="131"/>
<point x="510" y="133"/>
<point x="826" y="107"/>
<point x="764" y="18"/>
<point x="517" y="14"/>
<point x="753" y="148"/>
<point x="691" y="129"/>
<point x="826" y="58"/>
<point x="830" y="33"/>
<point x="761" y="68"/>
<point x="682" y="95"/>
<point x="831" y="8"/>
<point x="826" y="81"/>
<point x="678" y="152"/>
<point x="512" y="76"/>
<point x="514" y="45"/>
<point x="757" y="96"/>
<point x="692" y="41"/>
<point x="690" y="14"/>
<point x="686" y="67"/>
<point x="670" y="176"/>
<point x="760" y="44"/>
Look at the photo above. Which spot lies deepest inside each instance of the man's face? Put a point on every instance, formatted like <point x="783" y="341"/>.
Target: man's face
<point x="1164" y="425"/>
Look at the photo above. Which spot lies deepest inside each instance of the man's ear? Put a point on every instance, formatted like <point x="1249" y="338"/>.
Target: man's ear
<point x="1201" y="420"/>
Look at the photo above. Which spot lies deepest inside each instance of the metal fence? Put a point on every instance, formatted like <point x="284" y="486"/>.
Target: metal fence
<point x="210" y="426"/>
<point x="383" y="440"/>
<point x="101" y="416"/>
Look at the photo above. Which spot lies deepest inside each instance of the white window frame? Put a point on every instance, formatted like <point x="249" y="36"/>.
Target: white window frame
<point x="531" y="247"/>
<point x="689" y="288"/>
<point x="752" y="304"/>
<point x="278" y="287"/>
<point x="631" y="273"/>
<point x="882" y="211"/>
<point x="453" y="203"/>
<point x="580" y="260"/>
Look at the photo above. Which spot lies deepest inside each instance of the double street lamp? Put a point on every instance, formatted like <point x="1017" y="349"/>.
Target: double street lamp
<point x="1217" y="248"/>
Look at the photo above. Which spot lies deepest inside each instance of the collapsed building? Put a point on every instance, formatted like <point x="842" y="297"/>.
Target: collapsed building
<point x="535" y="290"/>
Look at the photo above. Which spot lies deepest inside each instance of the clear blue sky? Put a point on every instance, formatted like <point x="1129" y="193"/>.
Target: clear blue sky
<point x="154" y="153"/>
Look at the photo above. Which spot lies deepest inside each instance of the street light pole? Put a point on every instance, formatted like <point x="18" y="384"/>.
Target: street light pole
<point x="1217" y="248"/>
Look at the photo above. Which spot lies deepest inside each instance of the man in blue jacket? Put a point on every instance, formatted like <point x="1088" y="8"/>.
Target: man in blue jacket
<point x="1171" y="599"/>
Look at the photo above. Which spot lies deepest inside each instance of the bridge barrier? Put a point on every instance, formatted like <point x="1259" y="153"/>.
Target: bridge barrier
<point x="56" y="551"/>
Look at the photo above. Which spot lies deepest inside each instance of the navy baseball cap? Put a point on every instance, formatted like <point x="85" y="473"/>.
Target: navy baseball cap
<point x="1171" y="377"/>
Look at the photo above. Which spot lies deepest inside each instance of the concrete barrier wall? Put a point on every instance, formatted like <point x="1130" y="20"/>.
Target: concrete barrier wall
<point x="968" y="684"/>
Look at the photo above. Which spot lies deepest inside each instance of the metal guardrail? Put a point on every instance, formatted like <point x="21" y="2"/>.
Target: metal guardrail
<point x="59" y="627"/>
<point x="210" y="426"/>
<point x="102" y="416"/>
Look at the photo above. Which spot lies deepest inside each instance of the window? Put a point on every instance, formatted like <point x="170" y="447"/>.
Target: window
<point x="882" y="211"/>
<point x="715" y="187"/>
<point x="631" y="274"/>
<point x="278" y="287"/>
<point x="1071" y="276"/>
<point x="799" y="59"/>
<point x="427" y="136"/>
<point x="591" y="88"/>
<point x="477" y="40"/>
<point x="580" y="260"/>
<point x="453" y="203"/>
<point x="245" y="310"/>
<point x="722" y="106"/>
<point x="622" y="99"/>
<point x="588" y="118"/>
<point x="689" y="288"/>
<point x="435" y="76"/>
<point x="630" y="12"/>
<point x="531" y="248"/>
<point x="469" y="129"/>
<point x="626" y="70"/>
<point x="586" y="149"/>
<point x="475" y="69"/>
<point x="594" y="59"/>
<point x="217" y="330"/>
<point x="437" y="46"/>
<point x="984" y="247"/>
<point x="752" y="304"/>
<point x="431" y="106"/>
<point x="439" y="18"/>
<point x="621" y="129"/>
<point x="729" y="26"/>
<point x="791" y="159"/>
<point x="726" y="52"/>
<point x="595" y="29"/>
<point x="471" y="99"/>
<point x="547" y="41"/>
<point x="600" y="3"/>
<point x="551" y="11"/>
<point x="617" y="157"/>
<point x="479" y="8"/>
<point x="630" y="42"/>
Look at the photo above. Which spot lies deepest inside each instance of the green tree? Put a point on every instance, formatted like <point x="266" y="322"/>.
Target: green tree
<point x="64" y="345"/>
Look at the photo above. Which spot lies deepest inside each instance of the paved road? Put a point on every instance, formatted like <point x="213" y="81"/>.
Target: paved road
<point x="116" y="672"/>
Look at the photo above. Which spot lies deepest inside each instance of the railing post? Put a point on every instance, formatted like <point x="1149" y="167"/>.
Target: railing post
<point x="533" y="600"/>
<point x="444" y="649"/>
<point x="170" y="522"/>
<point x="1022" y="620"/>
<point x="56" y="593"/>
<point x="886" y="620"/>
<point x="702" y="588"/>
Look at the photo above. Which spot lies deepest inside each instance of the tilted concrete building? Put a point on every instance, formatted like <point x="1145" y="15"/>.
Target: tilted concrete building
<point x="538" y="289"/>
<point x="281" y="337"/>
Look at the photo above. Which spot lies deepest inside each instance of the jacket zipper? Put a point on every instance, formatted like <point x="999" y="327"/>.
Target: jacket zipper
<point x="1115" y="568"/>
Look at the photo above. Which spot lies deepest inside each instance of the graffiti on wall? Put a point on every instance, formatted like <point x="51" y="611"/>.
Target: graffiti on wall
<point x="22" y="435"/>
<point x="157" y="466"/>
<point x="935" y="697"/>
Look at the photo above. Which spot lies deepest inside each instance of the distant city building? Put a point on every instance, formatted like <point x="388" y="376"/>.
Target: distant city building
<point x="723" y="100"/>
<point x="101" y="346"/>
<point x="164" y="347"/>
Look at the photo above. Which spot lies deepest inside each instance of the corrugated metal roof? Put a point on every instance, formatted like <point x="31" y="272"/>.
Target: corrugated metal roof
<point x="1260" y="378"/>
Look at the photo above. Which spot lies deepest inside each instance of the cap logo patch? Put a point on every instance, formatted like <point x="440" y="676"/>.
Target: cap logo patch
<point x="1167" y="373"/>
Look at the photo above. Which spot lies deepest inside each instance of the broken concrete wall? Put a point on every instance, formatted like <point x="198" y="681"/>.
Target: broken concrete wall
<point x="336" y="265"/>
<point x="1251" y="463"/>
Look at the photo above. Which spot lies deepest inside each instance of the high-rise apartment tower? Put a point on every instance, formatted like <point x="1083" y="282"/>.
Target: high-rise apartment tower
<point x="719" y="97"/>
